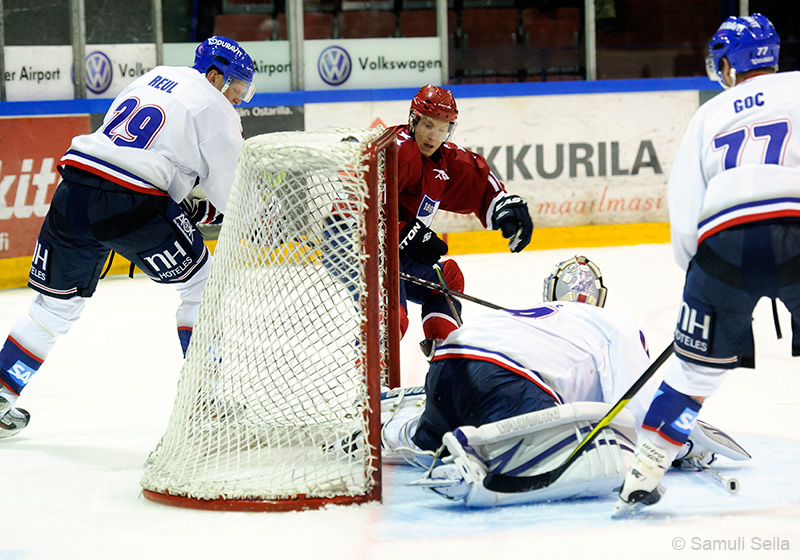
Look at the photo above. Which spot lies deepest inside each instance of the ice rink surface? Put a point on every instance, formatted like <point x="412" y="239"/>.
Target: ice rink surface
<point x="69" y="483"/>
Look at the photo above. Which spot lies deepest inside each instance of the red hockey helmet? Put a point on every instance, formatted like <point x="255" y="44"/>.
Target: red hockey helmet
<point x="435" y="102"/>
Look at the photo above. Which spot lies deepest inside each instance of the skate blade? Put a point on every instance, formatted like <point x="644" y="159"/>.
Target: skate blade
<point x="624" y="510"/>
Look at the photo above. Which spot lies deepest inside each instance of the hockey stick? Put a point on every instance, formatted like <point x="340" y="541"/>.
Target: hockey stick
<point x="730" y="484"/>
<point x="505" y="483"/>
<point x="443" y="284"/>
<point x="419" y="281"/>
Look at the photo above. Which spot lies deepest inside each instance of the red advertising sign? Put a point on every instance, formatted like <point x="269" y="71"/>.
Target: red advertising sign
<point x="30" y="148"/>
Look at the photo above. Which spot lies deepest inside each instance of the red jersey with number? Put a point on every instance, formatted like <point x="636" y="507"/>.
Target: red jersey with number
<point x="452" y="179"/>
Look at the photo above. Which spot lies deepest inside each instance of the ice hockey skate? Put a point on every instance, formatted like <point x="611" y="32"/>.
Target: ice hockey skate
<point x="428" y="347"/>
<point x="642" y="486"/>
<point x="12" y="420"/>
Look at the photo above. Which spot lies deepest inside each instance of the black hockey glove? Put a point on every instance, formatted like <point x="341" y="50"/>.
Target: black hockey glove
<point x="512" y="218"/>
<point x="421" y="244"/>
<point x="201" y="211"/>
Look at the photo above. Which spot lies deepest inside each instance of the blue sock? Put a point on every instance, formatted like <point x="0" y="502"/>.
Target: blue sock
<point x="185" y="335"/>
<point x="17" y="366"/>
<point x="672" y="415"/>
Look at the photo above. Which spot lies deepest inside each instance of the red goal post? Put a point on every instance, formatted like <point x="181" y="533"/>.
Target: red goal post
<point x="278" y="400"/>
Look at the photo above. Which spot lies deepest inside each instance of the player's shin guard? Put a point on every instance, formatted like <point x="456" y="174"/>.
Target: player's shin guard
<point x="17" y="366"/>
<point x="186" y="317"/>
<point x="32" y="338"/>
<point x="191" y="293"/>
<point x="672" y="415"/>
<point x="438" y="325"/>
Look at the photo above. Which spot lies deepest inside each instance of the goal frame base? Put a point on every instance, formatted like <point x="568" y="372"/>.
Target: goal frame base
<point x="297" y="503"/>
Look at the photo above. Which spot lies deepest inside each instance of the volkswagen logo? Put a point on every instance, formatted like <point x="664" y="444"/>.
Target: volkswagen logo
<point x="334" y="66"/>
<point x="98" y="72"/>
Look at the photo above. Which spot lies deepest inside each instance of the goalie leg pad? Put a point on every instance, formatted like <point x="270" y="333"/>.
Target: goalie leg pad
<point x="538" y="442"/>
<point x="401" y="410"/>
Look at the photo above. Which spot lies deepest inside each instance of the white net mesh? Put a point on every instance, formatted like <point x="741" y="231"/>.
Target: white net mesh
<point x="272" y="397"/>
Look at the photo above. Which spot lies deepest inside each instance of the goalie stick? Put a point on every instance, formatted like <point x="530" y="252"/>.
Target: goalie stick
<point x="498" y="482"/>
<point x="449" y="291"/>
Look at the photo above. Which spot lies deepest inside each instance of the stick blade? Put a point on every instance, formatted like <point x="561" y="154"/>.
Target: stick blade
<point x="507" y="484"/>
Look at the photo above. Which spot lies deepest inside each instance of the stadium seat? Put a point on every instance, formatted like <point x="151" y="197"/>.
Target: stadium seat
<point x="244" y="27"/>
<point x="357" y="24"/>
<point x="489" y="27"/>
<point x="558" y="30"/>
<point x="248" y="6"/>
<point x="316" y="25"/>
<point x="422" y="23"/>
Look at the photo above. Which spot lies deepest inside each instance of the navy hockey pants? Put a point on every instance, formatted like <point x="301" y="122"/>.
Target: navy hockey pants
<point x="731" y="271"/>
<point x="468" y="392"/>
<point x="91" y="216"/>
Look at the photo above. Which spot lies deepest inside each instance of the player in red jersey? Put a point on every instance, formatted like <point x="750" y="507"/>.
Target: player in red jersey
<point x="435" y="174"/>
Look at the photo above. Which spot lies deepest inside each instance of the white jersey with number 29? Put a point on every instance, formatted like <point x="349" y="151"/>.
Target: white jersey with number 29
<point x="738" y="162"/>
<point x="166" y="129"/>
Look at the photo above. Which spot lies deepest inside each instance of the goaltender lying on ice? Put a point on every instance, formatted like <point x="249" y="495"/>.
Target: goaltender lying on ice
<point x="514" y="392"/>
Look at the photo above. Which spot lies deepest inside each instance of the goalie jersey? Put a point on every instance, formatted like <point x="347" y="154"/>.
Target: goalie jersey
<point x="162" y="132"/>
<point x="573" y="351"/>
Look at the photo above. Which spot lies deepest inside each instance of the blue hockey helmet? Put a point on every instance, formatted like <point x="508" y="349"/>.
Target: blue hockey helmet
<point x="230" y="59"/>
<point x="576" y="279"/>
<point x="747" y="42"/>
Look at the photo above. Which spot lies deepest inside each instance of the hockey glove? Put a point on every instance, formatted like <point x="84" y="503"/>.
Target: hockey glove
<point x="201" y="211"/>
<point x="704" y="444"/>
<point x="421" y="244"/>
<point x="512" y="218"/>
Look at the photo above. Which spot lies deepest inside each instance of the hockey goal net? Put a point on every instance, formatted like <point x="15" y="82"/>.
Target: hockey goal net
<point x="278" y="400"/>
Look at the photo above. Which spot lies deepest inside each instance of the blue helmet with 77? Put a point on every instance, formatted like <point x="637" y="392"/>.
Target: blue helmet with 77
<point x="746" y="42"/>
<point x="230" y="60"/>
<point x="576" y="279"/>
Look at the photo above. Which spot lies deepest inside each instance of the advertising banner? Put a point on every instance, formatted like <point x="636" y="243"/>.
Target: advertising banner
<point x="42" y="73"/>
<point x="35" y="73"/>
<point x="270" y="61"/>
<point x="364" y="63"/>
<point x="336" y="64"/>
<point x="30" y="148"/>
<point x="38" y="73"/>
<point x="577" y="159"/>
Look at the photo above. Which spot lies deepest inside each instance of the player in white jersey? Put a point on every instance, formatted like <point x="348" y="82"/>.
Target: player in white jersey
<point x="513" y="391"/>
<point x="169" y="130"/>
<point x="734" y="202"/>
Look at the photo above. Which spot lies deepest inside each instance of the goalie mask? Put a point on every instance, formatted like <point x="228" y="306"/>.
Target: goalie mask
<point x="577" y="279"/>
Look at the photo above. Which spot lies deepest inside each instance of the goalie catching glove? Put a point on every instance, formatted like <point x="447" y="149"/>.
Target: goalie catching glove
<point x="512" y="218"/>
<point x="201" y="211"/>
<point x="421" y="244"/>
